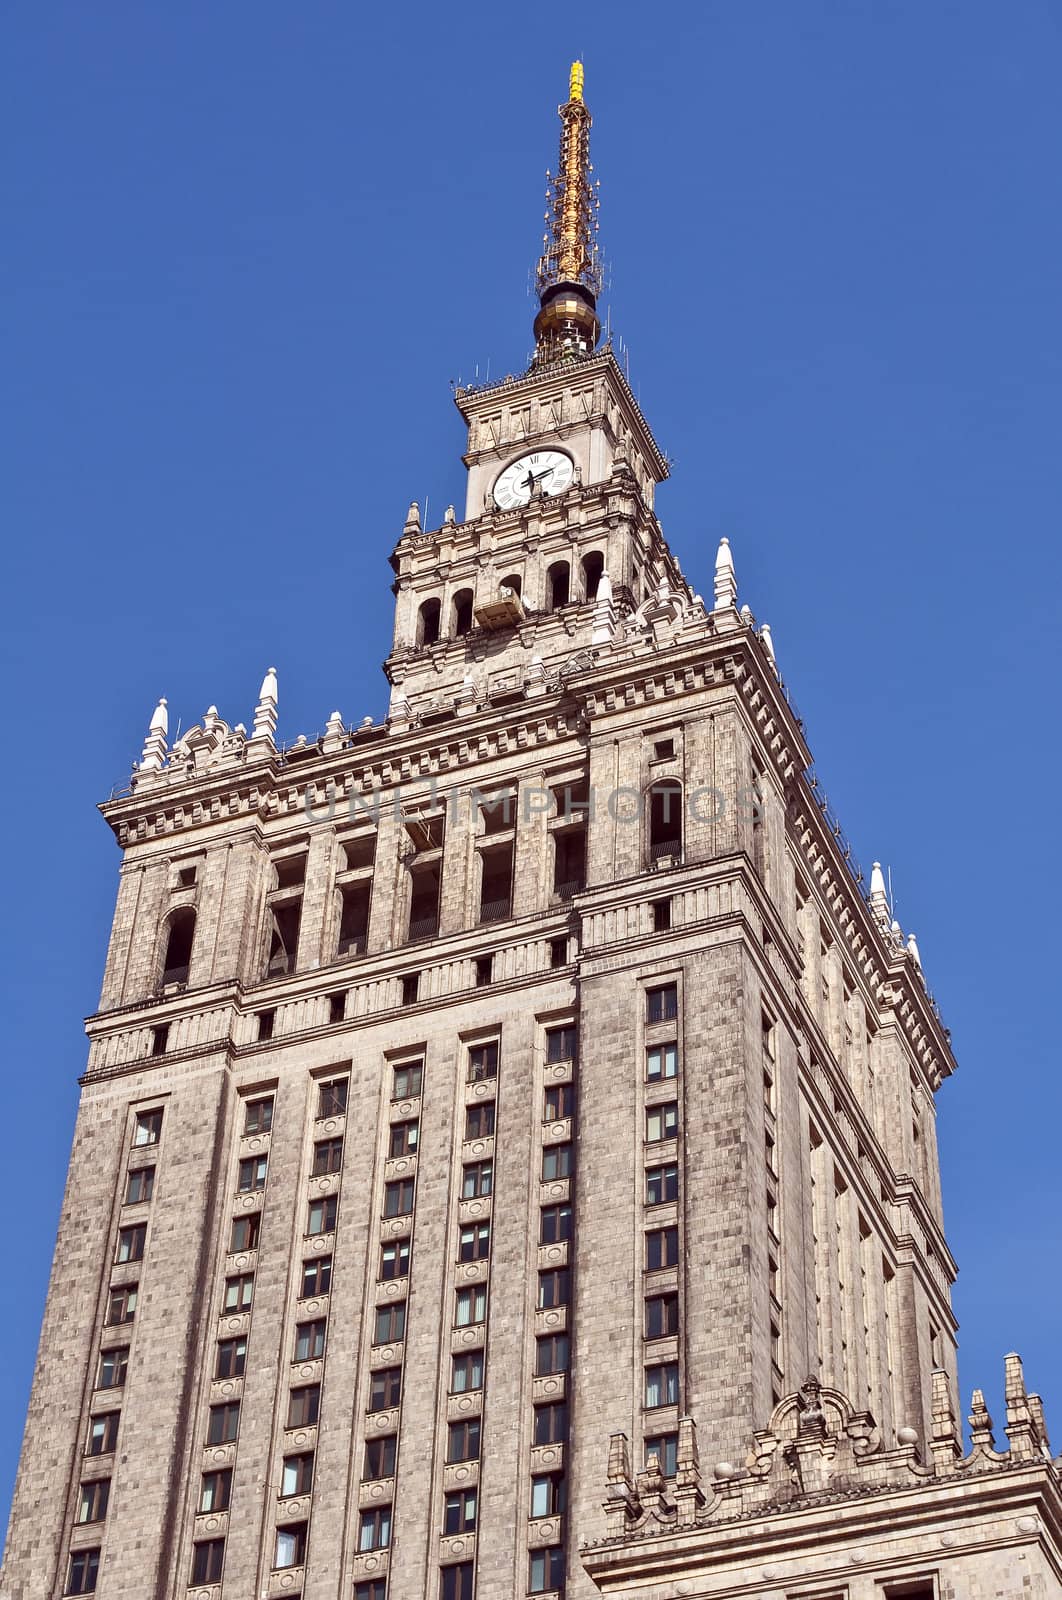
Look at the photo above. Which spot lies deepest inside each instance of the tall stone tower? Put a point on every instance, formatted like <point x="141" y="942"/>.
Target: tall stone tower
<point x="506" y="1161"/>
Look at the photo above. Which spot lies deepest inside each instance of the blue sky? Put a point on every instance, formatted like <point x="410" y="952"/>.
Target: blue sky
<point x="249" y="246"/>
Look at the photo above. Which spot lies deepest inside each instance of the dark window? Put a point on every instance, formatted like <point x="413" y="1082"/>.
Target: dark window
<point x="554" y="1288"/>
<point x="462" y="1440"/>
<point x="380" y="1455"/>
<point x="113" y="1367"/>
<point x="661" y="1122"/>
<point x="398" y="1197"/>
<point x="408" y="1081"/>
<point x="215" y="1490"/>
<point x="385" y="1388"/>
<point x="484" y="971"/>
<point x="353" y="920"/>
<point x="304" y="1406"/>
<point x="239" y="1292"/>
<point x="661" y="1315"/>
<point x="558" y="1102"/>
<point x="371" y="1589"/>
<point x="245" y="1232"/>
<point x="496" y="888"/>
<point x="661" y="1062"/>
<point x="548" y="1495"/>
<point x="556" y="1224"/>
<point x="569" y="862"/>
<point x="470" y="1305"/>
<point x="662" y="1384"/>
<point x="359" y="851"/>
<point x="661" y="1248"/>
<point x="428" y="623"/>
<point x="552" y="1355"/>
<point x="316" y="1277"/>
<point x="284" y="918"/>
<point x="410" y="988"/>
<point x="223" y="1423"/>
<point x="337" y="1006"/>
<point x="458" y="1582"/>
<point x="321" y="1214"/>
<point x="546" y="1569"/>
<point x="557" y="585"/>
<point x="289" y="872"/>
<point x="661" y="910"/>
<point x="327" y="1157"/>
<point x="497" y="811"/>
<point x="514" y="582"/>
<point x="102" y="1434"/>
<point x="160" y="1038"/>
<point x="258" y="1117"/>
<point x="390" y="1324"/>
<point x="661" y="1005"/>
<point x="467" y="1372"/>
<point x="479" y="1120"/>
<point x="474" y="1242"/>
<point x="459" y="1511"/>
<point x="121" y="1306"/>
<point x="231" y="1359"/>
<point x="593" y="567"/>
<point x="291" y="1546"/>
<point x="665" y="819"/>
<point x="462" y="604"/>
<point x="92" y="1501"/>
<point x="252" y="1174"/>
<point x="424" y="901"/>
<point x="404" y="1137"/>
<point x="665" y="1447"/>
<point x="374" y="1529"/>
<point x="551" y="1423"/>
<point x="179" y="937"/>
<point x="556" y="1162"/>
<point x="266" y="1023"/>
<point x="661" y="1183"/>
<point x="561" y="1044"/>
<point x="477" y="1179"/>
<point x="296" y="1475"/>
<point x="140" y="1186"/>
<point x="310" y="1340"/>
<point x="558" y="952"/>
<point x="394" y="1259"/>
<point x="147" y="1129"/>
<point x="483" y="1062"/>
<point x="84" y="1572"/>
<point x="332" y="1098"/>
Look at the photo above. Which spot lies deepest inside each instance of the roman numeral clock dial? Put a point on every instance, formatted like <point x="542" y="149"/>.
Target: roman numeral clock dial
<point x="549" y="470"/>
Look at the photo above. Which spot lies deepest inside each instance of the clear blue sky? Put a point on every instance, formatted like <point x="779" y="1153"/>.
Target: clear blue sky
<point x="249" y="245"/>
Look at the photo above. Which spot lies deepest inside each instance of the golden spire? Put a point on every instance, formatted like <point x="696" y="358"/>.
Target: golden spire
<point x="569" y="272"/>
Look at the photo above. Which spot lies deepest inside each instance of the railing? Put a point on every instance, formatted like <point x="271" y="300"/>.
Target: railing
<point x="423" y="928"/>
<point x="496" y="910"/>
<point x="570" y="887"/>
<point x="353" y="946"/>
<point x="665" y="847"/>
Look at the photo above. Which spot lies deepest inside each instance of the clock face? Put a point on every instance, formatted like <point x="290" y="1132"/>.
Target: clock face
<point x="549" y="470"/>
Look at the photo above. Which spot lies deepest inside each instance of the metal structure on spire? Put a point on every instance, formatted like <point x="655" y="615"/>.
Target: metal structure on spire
<point x="568" y="277"/>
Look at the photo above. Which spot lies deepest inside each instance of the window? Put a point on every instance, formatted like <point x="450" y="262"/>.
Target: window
<point x="223" y="1422"/>
<point x="558" y="952"/>
<point x="424" y="887"/>
<point x="394" y="1259"/>
<point x="327" y="1157"/>
<point x="160" y="1038"/>
<point x="374" y="1529"/>
<point x="310" y="1340"/>
<point x="215" y="1490"/>
<point x="332" y="1098"/>
<point x="546" y="1569"/>
<point x="121" y="1307"/>
<point x="337" y="1006"/>
<point x="147" y="1128"/>
<point x="245" y="1232"/>
<point x="662" y="1384"/>
<point x="284" y="917"/>
<point x="92" y="1501"/>
<point x="404" y="1137"/>
<point x="661" y="1005"/>
<point x="496" y="887"/>
<point x="359" y="851"/>
<point x="661" y="1062"/>
<point x="289" y="872"/>
<point x="474" y="1243"/>
<point x="554" y="1288"/>
<point x="321" y="1214"/>
<point x="556" y="1162"/>
<point x="557" y="585"/>
<point x="459" y="1512"/>
<point x="569" y="862"/>
<point x="266" y="1022"/>
<point x="103" y="1434"/>
<point x="458" y="1581"/>
<point x="252" y="1174"/>
<point x="398" y="1198"/>
<point x="497" y="810"/>
<point x="462" y="1440"/>
<point x="178" y="957"/>
<point x="140" y="1186"/>
<point x="390" y="1325"/>
<point x="560" y="1045"/>
<point x="316" y="1277"/>
<point x="661" y="1122"/>
<point x="477" y="1179"/>
<point x="84" y="1572"/>
<point x="665" y="1447"/>
<point x="467" y="1372"/>
<point x="462" y="609"/>
<point x="410" y="988"/>
<point x="593" y="567"/>
<point x="428" y="623"/>
<point x="483" y="1062"/>
<point x="661" y="1316"/>
<point x="559" y="1102"/>
<point x="661" y="1183"/>
<point x="131" y="1243"/>
<point x="551" y="1423"/>
<point x="304" y="1406"/>
<point x="353" y="921"/>
<point x="258" y="1117"/>
<point x="380" y="1456"/>
<point x="556" y="1224"/>
<point x="371" y="1589"/>
<point x="408" y="1081"/>
<point x="291" y="1546"/>
<point x="385" y="1388"/>
<point x="479" y="1120"/>
<point x="113" y="1367"/>
<point x="484" y="971"/>
<point x="665" y="819"/>
<point x="661" y="1248"/>
<point x="661" y="910"/>
<point x="552" y="1355"/>
<point x="231" y="1358"/>
<point x="548" y="1494"/>
<point x="470" y="1305"/>
<point x="239" y="1292"/>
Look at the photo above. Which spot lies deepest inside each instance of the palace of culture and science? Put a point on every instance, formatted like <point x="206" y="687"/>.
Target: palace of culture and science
<point x="505" y="1164"/>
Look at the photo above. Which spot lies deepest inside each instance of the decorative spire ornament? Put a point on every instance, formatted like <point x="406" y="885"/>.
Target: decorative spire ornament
<point x="768" y="644"/>
<point x="879" y="899"/>
<point x="568" y="277"/>
<point x="725" y="578"/>
<point x="335" y="735"/>
<point x="264" y="730"/>
<point x="153" y="755"/>
<point x="912" y="951"/>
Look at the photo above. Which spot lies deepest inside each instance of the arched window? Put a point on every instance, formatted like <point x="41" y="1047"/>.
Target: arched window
<point x="428" y="623"/>
<point x="665" y="819"/>
<point x="178" y="956"/>
<point x="462" y="607"/>
<point x="558" y="579"/>
<point x="513" y="582"/>
<point x="593" y="567"/>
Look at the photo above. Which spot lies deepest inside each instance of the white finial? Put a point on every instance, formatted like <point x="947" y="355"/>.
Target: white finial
<point x="366" y="722"/>
<point x="912" y="951"/>
<point x="768" y="644"/>
<point x="153" y="755"/>
<point x="879" y="899"/>
<point x="604" y="612"/>
<point x="265" y="712"/>
<point x="413" y="515"/>
<point x="746" y="616"/>
<point x="725" y="578"/>
<point x="334" y="735"/>
<point x="449" y="516"/>
<point x="604" y="588"/>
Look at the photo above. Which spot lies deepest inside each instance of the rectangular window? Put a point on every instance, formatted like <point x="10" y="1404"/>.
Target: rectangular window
<point x="569" y="862"/>
<point x="371" y="1589"/>
<point x="552" y="1355"/>
<point x="496" y="888"/>
<point x="661" y="1184"/>
<point x="113" y="1367"/>
<point x="548" y="1495"/>
<point x="467" y="1373"/>
<point x="239" y="1292"/>
<point x="380" y="1456"/>
<point x="661" y="1248"/>
<point x="84" y="1572"/>
<point x="231" y="1358"/>
<point x="316" y="1277"/>
<point x="458" y="1581"/>
<point x="661" y="1062"/>
<point x="327" y="1157"/>
<point x="374" y="1529"/>
<point x="558" y="1102"/>
<point x="551" y="1423"/>
<point x="662" y="1384"/>
<point x="102" y="1434"/>
<point x="394" y="1259"/>
<point x="665" y="1447"/>
<point x="296" y="1475"/>
<point x="561" y="1044"/>
<point x="470" y="1305"/>
<point x="661" y="1122"/>
<point x="131" y="1243"/>
<point x="408" y="1081"/>
<point x="390" y="1325"/>
<point x="554" y="1288"/>
<point x="147" y="1129"/>
<point x="404" y="1137"/>
<point x="92" y="1501"/>
<point x="556" y="1162"/>
<point x="459" y="1512"/>
<point x="310" y="1340"/>
<point x="258" y="1117"/>
<point x="321" y="1214"/>
<point x="661" y="1005"/>
<point x="304" y="1406"/>
<point x="483" y="1062"/>
<point x="479" y="1120"/>
<point x="398" y="1198"/>
<point x="474" y="1242"/>
<point x="140" y="1187"/>
<point x="291" y="1546"/>
<point x="332" y="1098"/>
<point x="245" y="1232"/>
<point x="661" y="1316"/>
<point x="546" y="1569"/>
<point x="555" y="1224"/>
<point x="477" y="1180"/>
<point x="121" y="1307"/>
<point x="223" y="1423"/>
<point x="252" y="1174"/>
<point x="215" y="1490"/>
<point x="385" y="1389"/>
<point x="462" y="1440"/>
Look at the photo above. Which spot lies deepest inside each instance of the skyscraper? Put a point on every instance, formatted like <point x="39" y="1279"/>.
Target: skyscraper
<point x="506" y="1158"/>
